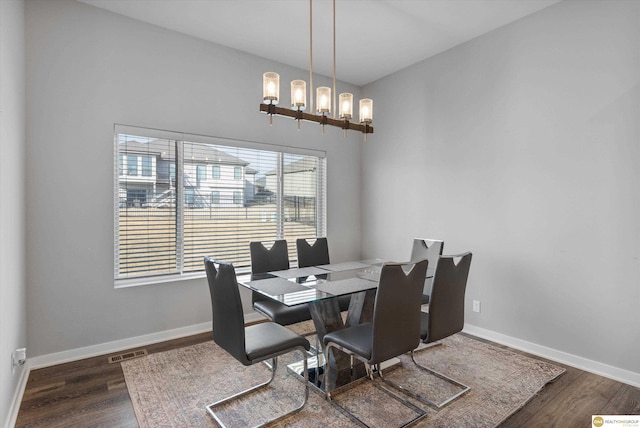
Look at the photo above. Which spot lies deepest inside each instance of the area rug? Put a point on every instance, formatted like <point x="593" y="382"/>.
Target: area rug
<point x="173" y="388"/>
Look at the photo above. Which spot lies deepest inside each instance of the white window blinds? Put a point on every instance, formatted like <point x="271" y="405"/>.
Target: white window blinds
<point x="180" y="197"/>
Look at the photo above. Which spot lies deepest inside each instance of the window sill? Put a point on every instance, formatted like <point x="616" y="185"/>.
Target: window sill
<point x="162" y="279"/>
<point x="152" y="280"/>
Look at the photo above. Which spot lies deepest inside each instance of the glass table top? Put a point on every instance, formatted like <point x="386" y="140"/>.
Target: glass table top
<point x="303" y="285"/>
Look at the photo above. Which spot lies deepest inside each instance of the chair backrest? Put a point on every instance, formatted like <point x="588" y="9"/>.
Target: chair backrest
<point x="446" y="307"/>
<point x="429" y="249"/>
<point x="228" y="316"/>
<point x="396" y="314"/>
<point x="312" y="255"/>
<point x="265" y="260"/>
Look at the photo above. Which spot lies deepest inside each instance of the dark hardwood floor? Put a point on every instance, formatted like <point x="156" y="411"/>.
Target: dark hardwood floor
<point x="92" y="393"/>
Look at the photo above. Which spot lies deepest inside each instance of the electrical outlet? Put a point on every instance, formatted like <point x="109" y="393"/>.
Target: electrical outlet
<point x="476" y="306"/>
<point x="18" y="357"/>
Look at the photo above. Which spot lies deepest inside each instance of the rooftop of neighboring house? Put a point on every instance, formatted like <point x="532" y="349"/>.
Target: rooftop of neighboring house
<point x="204" y="153"/>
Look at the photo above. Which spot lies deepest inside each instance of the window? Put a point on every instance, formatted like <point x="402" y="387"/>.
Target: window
<point x="172" y="173"/>
<point x="147" y="162"/>
<point x="167" y="222"/>
<point x="132" y="165"/>
<point x="215" y="197"/>
<point x="136" y="197"/>
<point x="189" y="197"/>
<point x="201" y="173"/>
<point x="237" y="197"/>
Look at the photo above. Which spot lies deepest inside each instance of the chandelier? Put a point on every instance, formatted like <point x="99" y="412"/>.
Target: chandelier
<point x="325" y="108"/>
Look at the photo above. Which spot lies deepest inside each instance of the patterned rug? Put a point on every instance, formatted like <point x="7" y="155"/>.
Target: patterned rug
<point x="172" y="389"/>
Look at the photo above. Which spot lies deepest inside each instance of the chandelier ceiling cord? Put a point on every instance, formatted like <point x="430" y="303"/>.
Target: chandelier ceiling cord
<point x="325" y="98"/>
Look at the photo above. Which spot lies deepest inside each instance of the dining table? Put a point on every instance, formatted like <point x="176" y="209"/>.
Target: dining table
<point x="318" y="287"/>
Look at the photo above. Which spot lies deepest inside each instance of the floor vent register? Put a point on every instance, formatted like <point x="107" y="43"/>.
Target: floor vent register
<point x="118" y="358"/>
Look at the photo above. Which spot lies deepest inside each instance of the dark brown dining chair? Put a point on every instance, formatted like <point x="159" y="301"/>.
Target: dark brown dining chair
<point x="430" y="249"/>
<point x="317" y="254"/>
<point x="273" y="259"/>
<point x="394" y="329"/>
<point x="312" y="254"/>
<point x="446" y="314"/>
<point x="248" y="345"/>
<point x="446" y="309"/>
<point x="265" y="259"/>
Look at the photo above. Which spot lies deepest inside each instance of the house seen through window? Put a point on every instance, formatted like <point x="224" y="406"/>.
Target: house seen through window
<point x="179" y="199"/>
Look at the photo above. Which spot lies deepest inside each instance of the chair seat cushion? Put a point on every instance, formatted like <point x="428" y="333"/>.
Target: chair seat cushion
<point x="357" y="339"/>
<point x="281" y="313"/>
<point x="268" y="339"/>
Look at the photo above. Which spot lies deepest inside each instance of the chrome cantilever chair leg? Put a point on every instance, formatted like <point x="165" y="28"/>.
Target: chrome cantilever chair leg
<point x="274" y="366"/>
<point x="370" y="373"/>
<point x="419" y="397"/>
<point x="464" y="387"/>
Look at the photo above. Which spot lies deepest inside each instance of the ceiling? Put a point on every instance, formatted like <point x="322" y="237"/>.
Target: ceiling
<point x="374" y="38"/>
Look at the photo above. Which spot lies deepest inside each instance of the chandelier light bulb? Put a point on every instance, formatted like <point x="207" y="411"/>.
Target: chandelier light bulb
<point x="366" y="110"/>
<point x="298" y="94"/>
<point x="323" y="99"/>
<point x="270" y="87"/>
<point x="346" y="106"/>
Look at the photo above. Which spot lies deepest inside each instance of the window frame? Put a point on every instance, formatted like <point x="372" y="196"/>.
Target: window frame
<point x="321" y="209"/>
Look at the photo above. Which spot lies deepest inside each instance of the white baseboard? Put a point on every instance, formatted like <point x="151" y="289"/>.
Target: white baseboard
<point x="102" y="349"/>
<point x="615" y="373"/>
<point x="611" y="372"/>
<point x="115" y="346"/>
<point x="17" y="397"/>
<point x="120" y="345"/>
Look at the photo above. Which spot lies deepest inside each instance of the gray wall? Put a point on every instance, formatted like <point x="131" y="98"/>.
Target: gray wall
<point x="522" y="146"/>
<point x="13" y="308"/>
<point x="88" y="68"/>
